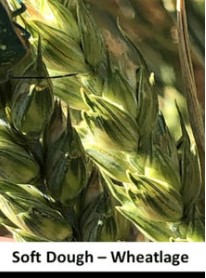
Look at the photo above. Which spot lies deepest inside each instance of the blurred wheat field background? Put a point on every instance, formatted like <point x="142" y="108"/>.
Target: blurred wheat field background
<point x="108" y="154"/>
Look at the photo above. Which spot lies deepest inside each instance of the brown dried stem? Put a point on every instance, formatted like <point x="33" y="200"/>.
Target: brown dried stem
<point x="195" y="114"/>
